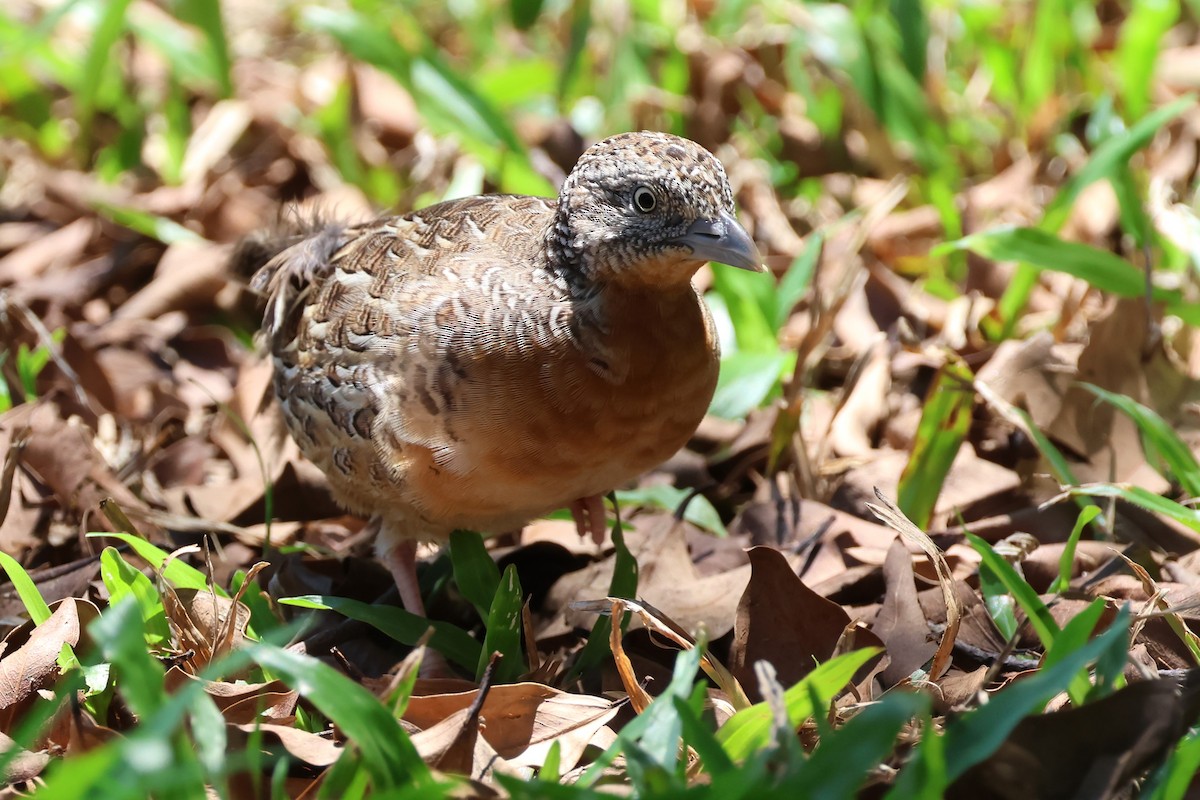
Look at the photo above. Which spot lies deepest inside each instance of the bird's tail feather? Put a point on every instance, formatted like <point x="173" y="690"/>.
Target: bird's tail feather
<point x="282" y="263"/>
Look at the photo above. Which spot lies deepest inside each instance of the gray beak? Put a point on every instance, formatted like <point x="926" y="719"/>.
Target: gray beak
<point x="724" y="241"/>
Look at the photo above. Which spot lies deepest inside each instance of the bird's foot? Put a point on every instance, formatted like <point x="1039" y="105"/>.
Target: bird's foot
<point x="590" y="517"/>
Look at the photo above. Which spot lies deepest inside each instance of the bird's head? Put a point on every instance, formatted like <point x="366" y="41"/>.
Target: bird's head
<point x="649" y="208"/>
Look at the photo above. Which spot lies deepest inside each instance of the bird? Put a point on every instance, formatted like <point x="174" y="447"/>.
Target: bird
<point x="481" y="362"/>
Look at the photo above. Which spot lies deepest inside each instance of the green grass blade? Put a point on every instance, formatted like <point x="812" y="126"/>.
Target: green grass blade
<point x="1114" y="152"/>
<point x="1073" y="636"/>
<point x="551" y="769"/>
<point x="1039" y="616"/>
<point x="475" y="573"/>
<point x="747" y="380"/>
<point x="795" y="282"/>
<point x="1142" y="498"/>
<point x="664" y="728"/>
<point x="503" y="634"/>
<point x="713" y="758"/>
<point x="1038" y="248"/>
<point x="139" y="676"/>
<point x="1160" y="435"/>
<point x="699" y="511"/>
<point x="655" y="732"/>
<point x="839" y="767"/>
<point x="35" y="606"/>
<point x="1059" y="466"/>
<point x="1138" y="48"/>
<point x="912" y="23"/>
<point x="750" y="729"/>
<point x="524" y="13"/>
<point x="191" y="63"/>
<point x="206" y="15"/>
<point x="109" y="27"/>
<point x="362" y="39"/>
<point x="154" y="226"/>
<point x="1108" y="157"/>
<point x="999" y="603"/>
<point x="940" y="433"/>
<point x="1179" y="773"/>
<point x="750" y="300"/>
<point x="449" y="640"/>
<point x="180" y="574"/>
<point x="122" y="579"/>
<point x="387" y="752"/>
<point x="1040" y="61"/>
<point x="580" y="26"/>
<point x="1067" y="560"/>
<point x="446" y="99"/>
<point x="974" y="736"/>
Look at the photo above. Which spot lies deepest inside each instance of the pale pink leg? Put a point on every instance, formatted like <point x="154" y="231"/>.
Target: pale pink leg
<point x="401" y="561"/>
<point x="589" y="516"/>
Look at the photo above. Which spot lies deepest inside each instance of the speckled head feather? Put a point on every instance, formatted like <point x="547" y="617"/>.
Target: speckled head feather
<point x="629" y="200"/>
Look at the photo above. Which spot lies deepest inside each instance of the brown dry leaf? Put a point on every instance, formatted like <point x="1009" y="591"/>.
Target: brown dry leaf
<point x="1092" y="751"/>
<point x="189" y="275"/>
<point x="1033" y="374"/>
<point x="454" y="745"/>
<point x="1181" y="597"/>
<point x="522" y="720"/>
<point x="1094" y="215"/>
<point x="34" y="664"/>
<point x="385" y="102"/>
<point x="1040" y="567"/>
<point x="783" y="622"/>
<point x="971" y="481"/>
<point x="62" y="453"/>
<point x="74" y="731"/>
<point x="24" y="765"/>
<point x="638" y="697"/>
<point x="900" y="622"/>
<point x="53" y="584"/>
<point x="62" y="246"/>
<point x="58" y="451"/>
<point x="204" y="623"/>
<point x="666" y="578"/>
<point x="892" y="515"/>
<point x="773" y="516"/>
<point x="241" y="702"/>
<point x="1113" y="360"/>
<point x="23" y="525"/>
<point x="661" y="625"/>
<point x="311" y="748"/>
<point x="866" y="406"/>
<point x="957" y="690"/>
<point x="961" y="564"/>
<point x="977" y="633"/>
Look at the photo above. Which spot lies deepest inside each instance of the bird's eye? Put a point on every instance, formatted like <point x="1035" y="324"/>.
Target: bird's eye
<point x="644" y="199"/>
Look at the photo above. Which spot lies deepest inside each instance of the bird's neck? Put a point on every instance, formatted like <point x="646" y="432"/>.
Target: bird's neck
<point x="563" y="257"/>
<point x="623" y="329"/>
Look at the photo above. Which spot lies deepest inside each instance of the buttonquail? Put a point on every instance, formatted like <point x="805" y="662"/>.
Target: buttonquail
<point x="483" y="361"/>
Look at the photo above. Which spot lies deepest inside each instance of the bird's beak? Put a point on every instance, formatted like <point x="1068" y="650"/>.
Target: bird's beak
<point x="724" y="241"/>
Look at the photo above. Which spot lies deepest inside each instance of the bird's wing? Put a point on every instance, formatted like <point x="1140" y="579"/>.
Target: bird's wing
<point x="401" y="330"/>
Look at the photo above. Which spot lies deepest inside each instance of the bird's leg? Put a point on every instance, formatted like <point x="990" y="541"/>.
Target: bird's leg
<point x="589" y="516"/>
<point x="401" y="561"/>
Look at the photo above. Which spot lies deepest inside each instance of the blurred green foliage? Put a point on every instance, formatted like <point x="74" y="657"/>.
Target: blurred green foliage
<point x="938" y="93"/>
